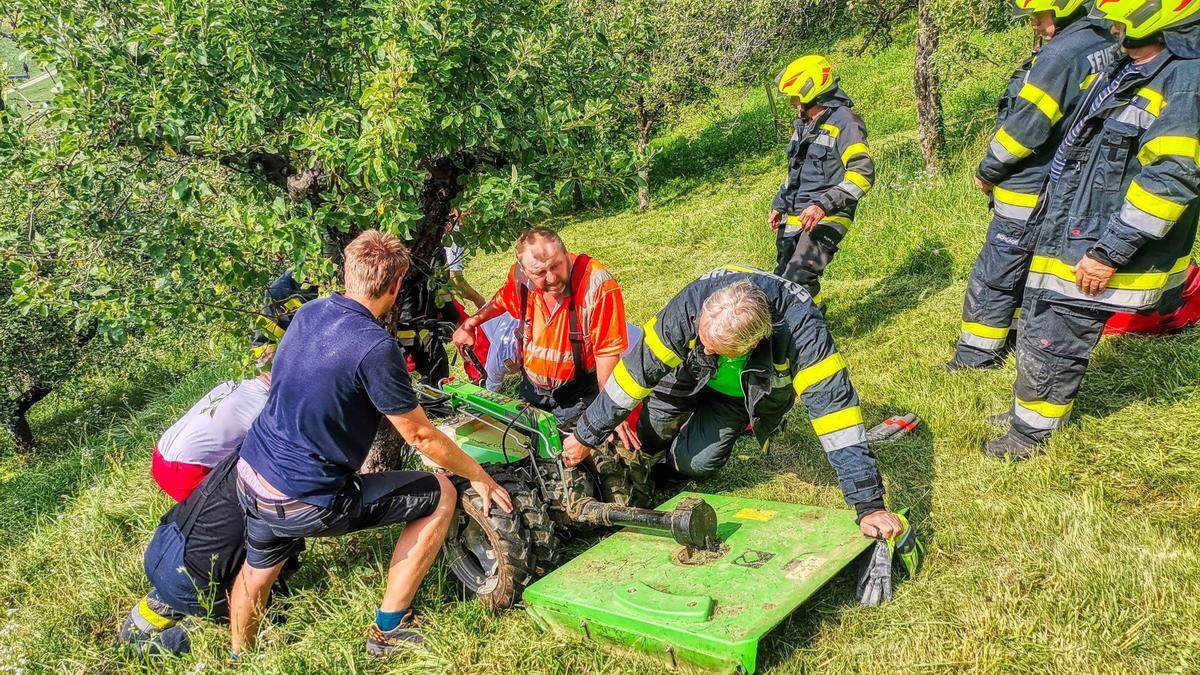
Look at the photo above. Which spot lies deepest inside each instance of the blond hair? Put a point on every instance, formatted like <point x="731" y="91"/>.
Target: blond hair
<point x="737" y="317"/>
<point x="374" y="262"/>
<point x="536" y="234"/>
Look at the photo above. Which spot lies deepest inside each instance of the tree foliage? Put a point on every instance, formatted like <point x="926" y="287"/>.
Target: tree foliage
<point x="197" y="148"/>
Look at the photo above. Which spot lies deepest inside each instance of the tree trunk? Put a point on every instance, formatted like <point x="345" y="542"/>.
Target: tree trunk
<point x="930" y="124"/>
<point x="18" y="423"/>
<point x="643" y="139"/>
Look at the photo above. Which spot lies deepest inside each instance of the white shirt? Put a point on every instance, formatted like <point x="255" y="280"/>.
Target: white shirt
<point x="216" y="425"/>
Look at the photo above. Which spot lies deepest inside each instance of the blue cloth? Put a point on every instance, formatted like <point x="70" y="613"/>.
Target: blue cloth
<point x="501" y="333"/>
<point x="173" y="585"/>
<point x="336" y="373"/>
<point x="1101" y="93"/>
<point x="389" y="620"/>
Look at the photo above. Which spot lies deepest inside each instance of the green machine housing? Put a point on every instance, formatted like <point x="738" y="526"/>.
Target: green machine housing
<point x="698" y="609"/>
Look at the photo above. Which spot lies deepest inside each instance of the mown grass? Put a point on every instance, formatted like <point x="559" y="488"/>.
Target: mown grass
<point x="1085" y="559"/>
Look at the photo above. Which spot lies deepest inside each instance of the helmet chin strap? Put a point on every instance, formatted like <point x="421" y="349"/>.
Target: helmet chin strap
<point x="1133" y="43"/>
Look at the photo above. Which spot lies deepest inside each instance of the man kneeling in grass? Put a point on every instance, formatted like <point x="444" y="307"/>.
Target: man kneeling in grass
<point x="337" y="372"/>
<point x="191" y="562"/>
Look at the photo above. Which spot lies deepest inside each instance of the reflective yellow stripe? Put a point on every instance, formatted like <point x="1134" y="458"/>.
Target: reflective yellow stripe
<point x="827" y="424"/>
<point x="292" y="304"/>
<point x="751" y="270"/>
<point x="1154" y="100"/>
<point x="821" y="370"/>
<point x="782" y="367"/>
<point x="1133" y="281"/>
<point x="406" y="334"/>
<point x="1015" y="198"/>
<point x="989" y="332"/>
<point x="1183" y="146"/>
<point x="855" y="149"/>
<point x="1047" y="409"/>
<point x="818" y="298"/>
<point x="1044" y="101"/>
<point x="1011" y="145"/>
<point x="659" y="348"/>
<point x="157" y="620"/>
<point x="859" y="180"/>
<point x="627" y="384"/>
<point x="1017" y="313"/>
<point x="1153" y="204"/>
<point x="833" y="131"/>
<point x="1087" y="81"/>
<point x="268" y="326"/>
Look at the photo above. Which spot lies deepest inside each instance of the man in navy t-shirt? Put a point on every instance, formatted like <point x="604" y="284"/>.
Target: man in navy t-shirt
<point x="337" y="373"/>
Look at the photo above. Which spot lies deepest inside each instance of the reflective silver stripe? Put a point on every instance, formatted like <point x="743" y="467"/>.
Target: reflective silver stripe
<point x="623" y="400"/>
<point x="141" y="622"/>
<point x="1002" y="152"/>
<point x="1011" y="211"/>
<point x="789" y="230"/>
<point x="1117" y="297"/>
<point x="1038" y="420"/>
<point x="973" y="340"/>
<point x="1134" y="115"/>
<point x="1140" y="220"/>
<point x="851" y="188"/>
<point x="826" y="141"/>
<point x="843" y="438"/>
<point x="547" y="353"/>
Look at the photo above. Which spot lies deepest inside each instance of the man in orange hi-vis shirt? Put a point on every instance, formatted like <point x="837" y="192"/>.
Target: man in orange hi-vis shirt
<point x="571" y="326"/>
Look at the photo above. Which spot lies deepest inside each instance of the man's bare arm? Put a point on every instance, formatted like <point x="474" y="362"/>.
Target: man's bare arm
<point x="419" y="432"/>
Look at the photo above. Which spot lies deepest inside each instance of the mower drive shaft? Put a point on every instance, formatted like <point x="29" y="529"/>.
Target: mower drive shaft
<point x="692" y="523"/>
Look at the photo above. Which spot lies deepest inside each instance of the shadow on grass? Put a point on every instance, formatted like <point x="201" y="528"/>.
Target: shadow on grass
<point x="683" y="162"/>
<point x="1161" y="369"/>
<point x="73" y="442"/>
<point x="925" y="271"/>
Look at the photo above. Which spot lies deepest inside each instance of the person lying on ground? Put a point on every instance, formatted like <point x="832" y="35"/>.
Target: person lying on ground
<point x="337" y="373"/>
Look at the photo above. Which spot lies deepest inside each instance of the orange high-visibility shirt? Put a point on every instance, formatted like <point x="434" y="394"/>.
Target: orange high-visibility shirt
<point x="547" y="357"/>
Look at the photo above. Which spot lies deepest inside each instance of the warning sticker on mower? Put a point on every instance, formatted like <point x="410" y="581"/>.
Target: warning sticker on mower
<point x="760" y="515"/>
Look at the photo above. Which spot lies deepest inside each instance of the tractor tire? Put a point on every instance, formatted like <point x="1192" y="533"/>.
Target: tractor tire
<point x="535" y="515"/>
<point x="498" y="556"/>
<point x="489" y="555"/>
<point x="624" y="476"/>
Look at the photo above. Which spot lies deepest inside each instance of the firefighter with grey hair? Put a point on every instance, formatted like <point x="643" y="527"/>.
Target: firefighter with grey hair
<point x="738" y="347"/>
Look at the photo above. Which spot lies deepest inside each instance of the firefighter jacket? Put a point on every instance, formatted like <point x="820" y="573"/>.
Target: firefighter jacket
<point x="798" y="360"/>
<point x="829" y="164"/>
<point x="1043" y="92"/>
<point x="1127" y="191"/>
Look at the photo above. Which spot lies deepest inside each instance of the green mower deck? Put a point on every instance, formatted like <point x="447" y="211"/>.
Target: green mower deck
<point x="632" y="589"/>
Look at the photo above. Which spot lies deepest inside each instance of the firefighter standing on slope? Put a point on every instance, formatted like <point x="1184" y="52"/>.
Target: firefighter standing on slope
<point x="1042" y="93"/>
<point x="738" y="346"/>
<point x="1118" y="218"/>
<point x="829" y="170"/>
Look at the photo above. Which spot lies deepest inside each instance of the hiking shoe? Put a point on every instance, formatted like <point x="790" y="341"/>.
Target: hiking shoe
<point x="407" y="634"/>
<point x="1003" y="420"/>
<point x="1012" y="446"/>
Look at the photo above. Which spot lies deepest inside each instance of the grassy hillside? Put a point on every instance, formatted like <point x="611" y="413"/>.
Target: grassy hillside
<point x="1084" y="559"/>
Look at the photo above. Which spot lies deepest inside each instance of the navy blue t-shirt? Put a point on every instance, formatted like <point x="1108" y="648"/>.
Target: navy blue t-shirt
<point x="336" y="373"/>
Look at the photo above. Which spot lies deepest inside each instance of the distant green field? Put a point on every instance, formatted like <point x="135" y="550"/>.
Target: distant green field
<point x="10" y="62"/>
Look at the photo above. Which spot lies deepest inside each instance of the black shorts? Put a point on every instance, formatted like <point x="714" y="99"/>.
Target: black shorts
<point x="277" y="527"/>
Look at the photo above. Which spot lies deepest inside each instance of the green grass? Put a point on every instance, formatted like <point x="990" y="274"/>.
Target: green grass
<point x="10" y="63"/>
<point x="1084" y="559"/>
